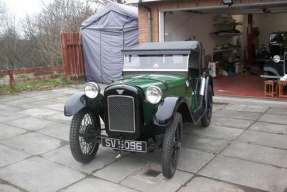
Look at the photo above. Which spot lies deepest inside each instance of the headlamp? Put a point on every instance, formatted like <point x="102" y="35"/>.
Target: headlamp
<point x="92" y="90"/>
<point x="153" y="94"/>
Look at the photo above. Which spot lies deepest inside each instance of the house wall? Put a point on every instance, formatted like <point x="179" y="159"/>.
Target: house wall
<point x="155" y="7"/>
<point x="182" y="26"/>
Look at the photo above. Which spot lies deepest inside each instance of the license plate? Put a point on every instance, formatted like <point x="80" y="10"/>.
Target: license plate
<point x="125" y="145"/>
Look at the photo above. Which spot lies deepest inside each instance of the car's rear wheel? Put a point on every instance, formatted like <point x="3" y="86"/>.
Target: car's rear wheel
<point x="206" y="119"/>
<point x="171" y="146"/>
<point x="84" y="135"/>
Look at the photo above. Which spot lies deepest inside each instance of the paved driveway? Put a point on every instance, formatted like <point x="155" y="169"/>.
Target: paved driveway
<point x="244" y="150"/>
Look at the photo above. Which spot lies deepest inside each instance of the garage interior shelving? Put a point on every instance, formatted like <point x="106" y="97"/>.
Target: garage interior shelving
<point x="227" y="52"/>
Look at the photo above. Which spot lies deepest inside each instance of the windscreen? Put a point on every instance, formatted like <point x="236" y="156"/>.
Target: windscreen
<point x="156" y="62"/>
<point x="278" y="38"/>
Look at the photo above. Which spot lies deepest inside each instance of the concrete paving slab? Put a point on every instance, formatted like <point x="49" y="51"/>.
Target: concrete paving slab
<point x="237" y="114"/>
<point x="38" y="112"/>
<point x="278" y="111"/>
<point x="58" y="117"/>
<point x="214" y="131"/>
<point x="68" y="90"/>
<point x="247" y="173"/>
<point x="36" y="104"/>
<point x="265" y="139"/>
<point x="204" y="143"/>
<point x="96" y="185"/>
<point x="217" y="107"/>
<point x="9" y="156"/>
<point x="10" y="98"/>
<point x="151" y="157"/>
<point x="269" y="127"/>
<point x="23" y="101"/>
<point x="6" y="108"/>
<point x="202" y="184"/>
<point x="7" y="114"/>
<point x="30" y="123"/>
<point x="58" y="130"/>
<point x="7" y="131"/>
<point x="191" y="160"/>
<point x="271" y="118"/>
<point x="61" y="99"/>
<point x="8" y="188"/>
<point x="229" y="122"/>
<point x="249" y="101"/>
<point x="144" y="181"/>
<point x="11" y="117"/>
<point x="119" y="170"/>
<point x="257" y="153"/>
<point x="143" y="171"/>
<point x="35" y="94"/>
<point x="64" y="157"/>
<point x="37" y="174"/>
<point x="247" y="108"/>
<point x="57" y="107"/>
<point x="33" y="143"/>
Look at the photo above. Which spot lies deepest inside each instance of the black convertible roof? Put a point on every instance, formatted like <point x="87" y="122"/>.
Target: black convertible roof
<point x="173" y="46"/>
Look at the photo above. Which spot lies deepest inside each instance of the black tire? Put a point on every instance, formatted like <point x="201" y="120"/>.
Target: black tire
<point x="206" y="119"/>
<point x="171" y="146"/>
<point x="85" y="128"/>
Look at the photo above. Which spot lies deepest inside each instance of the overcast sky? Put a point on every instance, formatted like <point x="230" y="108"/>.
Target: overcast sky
<point x="20" y="8"/>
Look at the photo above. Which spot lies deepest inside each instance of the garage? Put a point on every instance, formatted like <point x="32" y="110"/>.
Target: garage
<point x="236" y="36"/>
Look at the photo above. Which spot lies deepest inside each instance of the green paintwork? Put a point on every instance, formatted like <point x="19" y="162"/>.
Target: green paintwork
<point x="170" y="84"/>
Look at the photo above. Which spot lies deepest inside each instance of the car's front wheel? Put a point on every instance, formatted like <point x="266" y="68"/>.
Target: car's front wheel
<point x="84" y="135"/>
<point x="206" y="119"/>
<point x="171" y="146"/>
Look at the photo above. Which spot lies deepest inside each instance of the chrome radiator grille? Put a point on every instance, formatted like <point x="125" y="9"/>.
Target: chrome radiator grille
<point x="121" y="113"/>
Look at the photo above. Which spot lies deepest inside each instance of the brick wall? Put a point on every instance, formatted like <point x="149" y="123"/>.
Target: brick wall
<point x="37" y="70"/>
<point x="155" y="8"/>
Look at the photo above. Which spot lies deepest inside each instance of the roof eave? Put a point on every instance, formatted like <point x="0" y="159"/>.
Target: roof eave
<point x="138" y="1"/>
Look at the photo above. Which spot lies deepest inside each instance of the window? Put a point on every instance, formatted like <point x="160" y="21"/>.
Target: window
<point x="156" y="62"/>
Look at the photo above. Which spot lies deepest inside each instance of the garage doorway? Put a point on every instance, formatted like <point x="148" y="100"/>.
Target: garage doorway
<point x="235" y="42"/>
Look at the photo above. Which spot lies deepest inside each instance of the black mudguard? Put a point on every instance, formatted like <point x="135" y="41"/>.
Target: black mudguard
<point x="167" y="108"/>
<point x="74" y="104"/>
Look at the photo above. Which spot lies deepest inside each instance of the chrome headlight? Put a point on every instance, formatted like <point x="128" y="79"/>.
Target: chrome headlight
<point x="153" y="94"/>
<point x="276" y="59"/>
<point x="92" y="90"/>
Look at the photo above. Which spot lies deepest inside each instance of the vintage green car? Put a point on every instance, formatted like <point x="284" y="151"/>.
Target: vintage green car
<point x="163" y="86"/>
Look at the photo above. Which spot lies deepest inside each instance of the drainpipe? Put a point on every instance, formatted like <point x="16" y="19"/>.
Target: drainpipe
<point x="149" y="19"/>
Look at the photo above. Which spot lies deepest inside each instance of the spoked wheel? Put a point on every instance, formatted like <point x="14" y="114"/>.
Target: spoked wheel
<point x="84" y="136"/>
<point x="171" y="146"/>
<point x="206" y="119"/>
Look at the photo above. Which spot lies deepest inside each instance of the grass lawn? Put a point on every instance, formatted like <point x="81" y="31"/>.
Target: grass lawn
<point x="37" y="85"/>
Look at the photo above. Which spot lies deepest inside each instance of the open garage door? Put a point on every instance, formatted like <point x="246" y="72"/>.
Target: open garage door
<point x="236" y="39"/>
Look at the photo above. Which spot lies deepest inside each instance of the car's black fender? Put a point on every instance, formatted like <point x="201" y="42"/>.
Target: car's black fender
<point x="166" y="109"/>
<point x="79" y="101"/>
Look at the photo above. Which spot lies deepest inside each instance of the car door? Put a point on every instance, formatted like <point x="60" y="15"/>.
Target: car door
<point x="194" y="80"/>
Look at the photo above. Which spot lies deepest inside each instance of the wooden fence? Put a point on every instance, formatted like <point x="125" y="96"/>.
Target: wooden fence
<point x="72" y="55"/>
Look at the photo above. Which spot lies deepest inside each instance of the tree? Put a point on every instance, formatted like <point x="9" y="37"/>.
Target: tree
<point x="8" y="43"/>
<point x="8" y="39"/>
<point x="44" y="29"/>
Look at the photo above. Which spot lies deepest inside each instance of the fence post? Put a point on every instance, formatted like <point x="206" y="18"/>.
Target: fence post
<point x="72" y="56"/>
